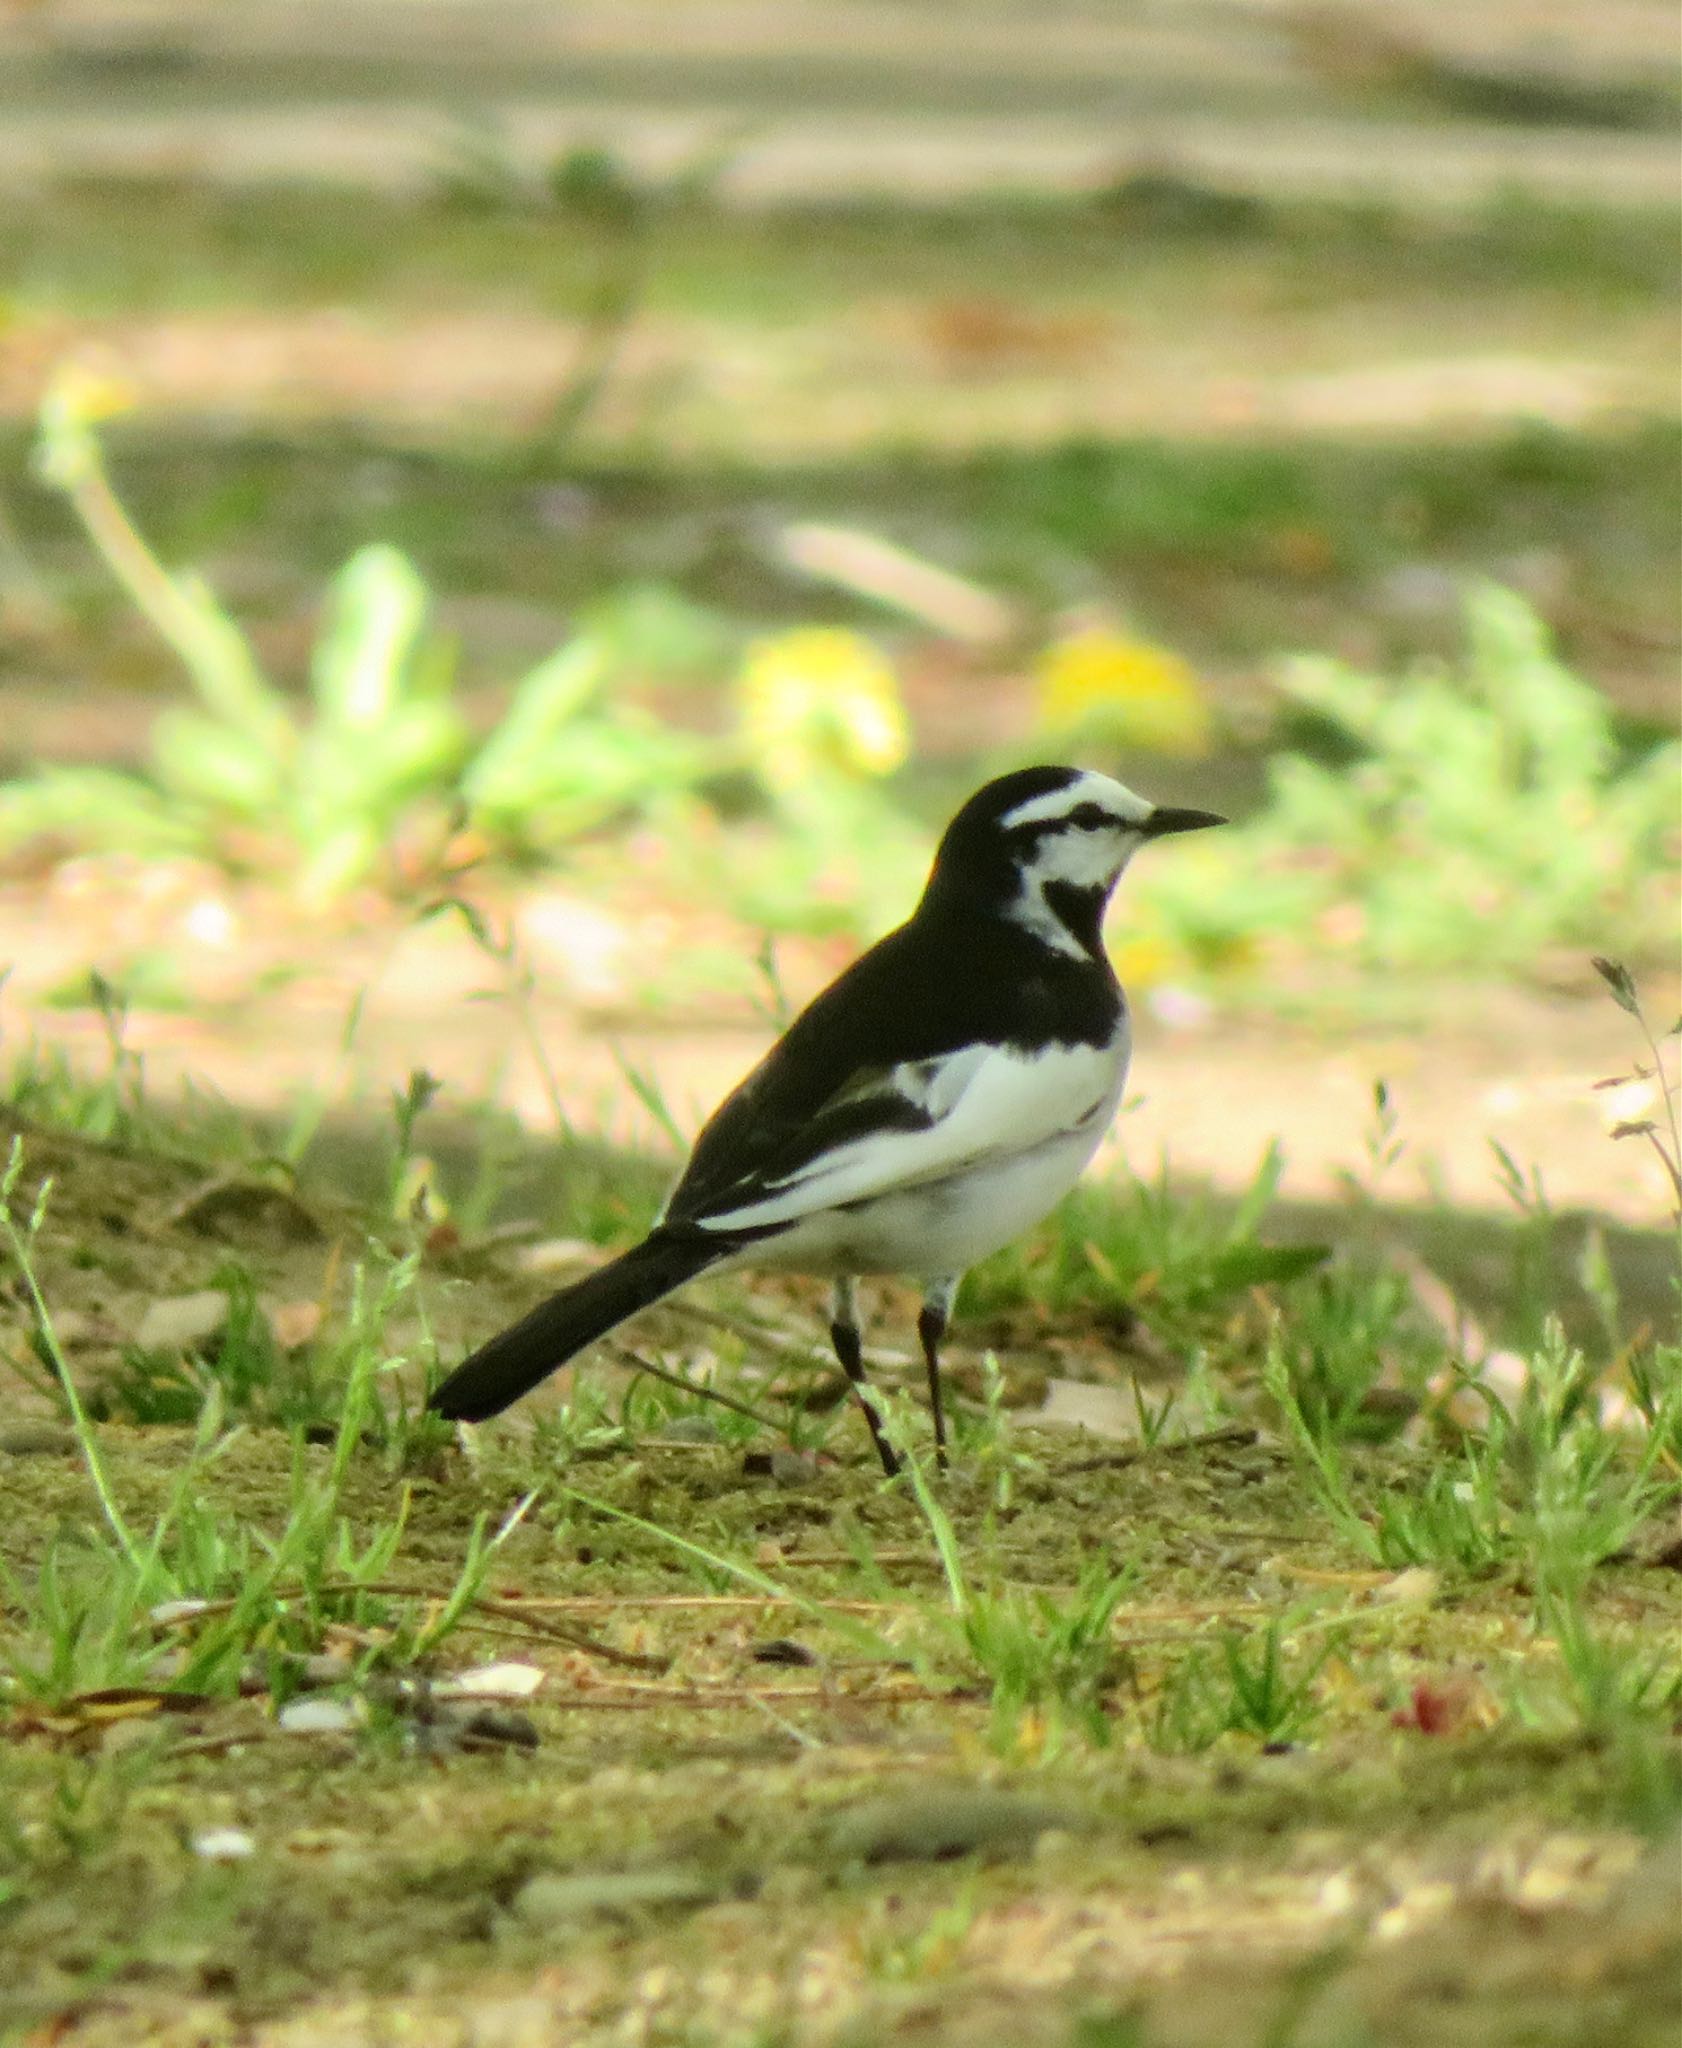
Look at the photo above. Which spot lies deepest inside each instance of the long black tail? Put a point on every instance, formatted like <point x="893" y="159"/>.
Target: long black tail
<point x="512" y="1363"/>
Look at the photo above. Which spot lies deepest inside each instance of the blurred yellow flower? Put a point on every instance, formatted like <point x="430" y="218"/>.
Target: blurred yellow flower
<point x="83" y="394"/>
<point x="1129" y="689"/>
<point x="820" y="701"/>
<point x="77" y="399"/>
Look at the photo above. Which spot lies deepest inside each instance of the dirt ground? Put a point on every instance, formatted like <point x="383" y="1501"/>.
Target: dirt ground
<point x="1212" y="1088"/>
<point x="716" y="1822"/>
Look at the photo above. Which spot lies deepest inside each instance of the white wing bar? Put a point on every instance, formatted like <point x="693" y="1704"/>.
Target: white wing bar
<point x="987" y="1101"/>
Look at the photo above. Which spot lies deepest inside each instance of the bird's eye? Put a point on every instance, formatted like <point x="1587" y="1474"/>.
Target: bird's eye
<point x="1090" y="817"/>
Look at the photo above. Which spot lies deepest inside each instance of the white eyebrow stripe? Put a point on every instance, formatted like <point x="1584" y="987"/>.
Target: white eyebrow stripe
<point x="1114" y="797"/>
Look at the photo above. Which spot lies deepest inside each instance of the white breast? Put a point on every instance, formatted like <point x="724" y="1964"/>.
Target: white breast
<point x="1012" y="1142"/>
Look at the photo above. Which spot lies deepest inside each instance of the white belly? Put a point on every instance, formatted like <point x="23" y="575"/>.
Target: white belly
<point x="942" y="1228"/>
<point x="943" y="1225"/>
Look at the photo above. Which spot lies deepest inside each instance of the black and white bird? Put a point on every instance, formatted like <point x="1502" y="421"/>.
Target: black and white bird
<point x="938" y="1098"/>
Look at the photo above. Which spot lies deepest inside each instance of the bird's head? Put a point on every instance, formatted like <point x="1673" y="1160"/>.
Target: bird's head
<point x="1044" y="847"/>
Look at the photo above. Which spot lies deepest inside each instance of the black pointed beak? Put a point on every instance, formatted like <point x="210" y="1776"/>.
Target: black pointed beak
<point x="1165" y="819"/>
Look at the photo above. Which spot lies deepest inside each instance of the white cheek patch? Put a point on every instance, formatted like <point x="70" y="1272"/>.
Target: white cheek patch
<point x="1089" y="860"/>
<point x="1080" y="860"/>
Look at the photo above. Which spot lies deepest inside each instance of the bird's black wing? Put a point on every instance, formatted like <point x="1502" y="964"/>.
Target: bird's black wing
<point x="827" y="1080"/>
<point x="889" y="1048"/>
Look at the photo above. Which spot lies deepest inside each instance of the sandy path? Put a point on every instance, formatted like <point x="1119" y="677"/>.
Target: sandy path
<point x="846" y="97"/>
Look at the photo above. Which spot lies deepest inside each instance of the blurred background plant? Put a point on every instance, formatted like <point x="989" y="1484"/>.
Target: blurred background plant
<point x="375" y="777"/>
<point x="1475" y="817"/>
<point x="380" y="777"/>
<point x="1481" y="815"/>
<point x="1101" y="689"/>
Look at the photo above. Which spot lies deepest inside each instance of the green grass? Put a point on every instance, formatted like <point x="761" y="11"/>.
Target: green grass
<point x="78" y="249"/>
<point x="1102" y="1646"/>
<point x="1186" y="1254"/>
<point x="1203" y="533"/>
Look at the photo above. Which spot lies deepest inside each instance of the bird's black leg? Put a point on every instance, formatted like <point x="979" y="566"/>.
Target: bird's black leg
<point x="932" y="1318"/>
<point x="849" y="1348"/>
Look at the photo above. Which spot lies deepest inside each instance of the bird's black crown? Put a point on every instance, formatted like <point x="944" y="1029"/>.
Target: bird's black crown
<point x="978" y="856"/>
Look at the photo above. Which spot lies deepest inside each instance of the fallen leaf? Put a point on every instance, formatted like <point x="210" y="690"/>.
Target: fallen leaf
<point x="321" y="1717"/>
<point x="183" y="1322"/>
<point x="551" y="1900"/>
<point x="1078" y="1404"/>
<point x="492" y="1682"/>
<point x="168" y="1611"/>
<point x="1416" y="1587"/>
<point x="37" y="1440"/>
<point x="115" y="1702"/>
<point x="1444" y="1706"/>
<point x="293" y="1324"/>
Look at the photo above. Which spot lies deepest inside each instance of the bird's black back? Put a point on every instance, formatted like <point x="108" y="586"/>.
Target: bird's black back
<point x="957" y="973"/>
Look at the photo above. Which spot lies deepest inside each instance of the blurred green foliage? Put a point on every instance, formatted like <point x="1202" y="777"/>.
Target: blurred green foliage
<point x="1464" y="818"/>
<point x="381" y="767"/>
<point x="1451" y="818"/>
<point x="382" y="751"/>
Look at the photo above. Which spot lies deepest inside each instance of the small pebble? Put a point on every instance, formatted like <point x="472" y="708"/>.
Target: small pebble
<point x="550" y="1900"/>
<point x="689" y="1429"/>
<point x="933" y="1827"/>
<point x="320" y="1717"/>
<point x="182" y="1322"/>
<point x="223" y="1845"/>
<point x="782" y="1650"/>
